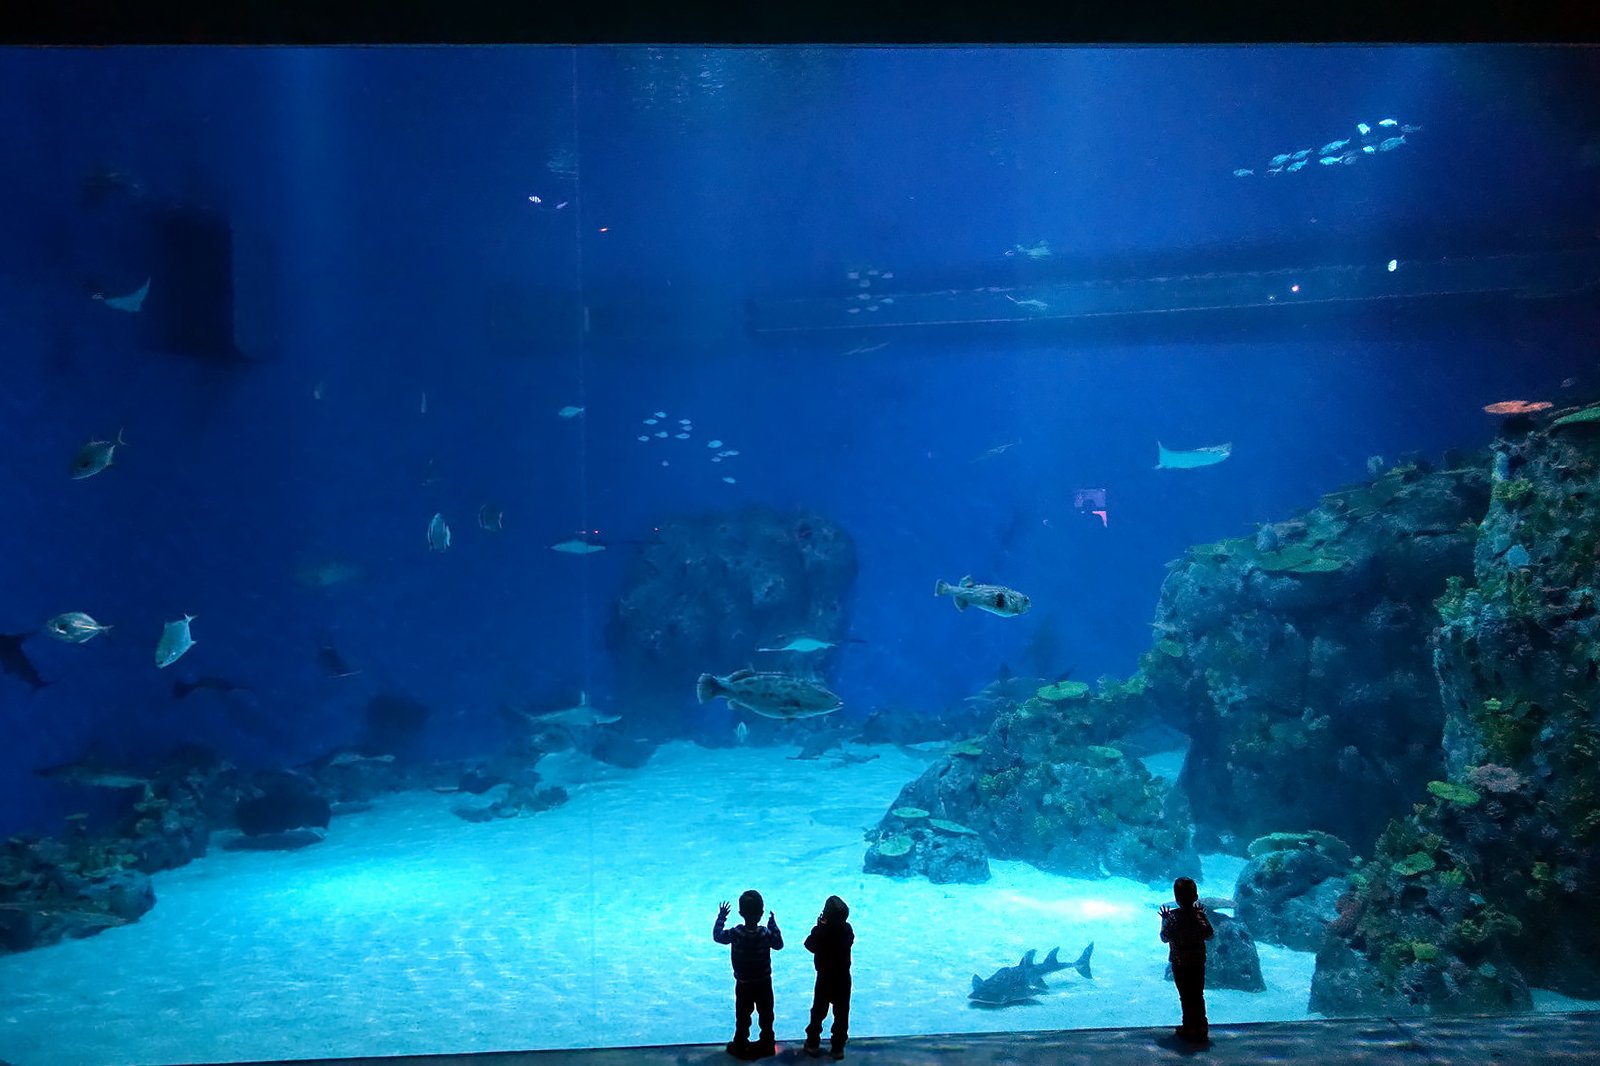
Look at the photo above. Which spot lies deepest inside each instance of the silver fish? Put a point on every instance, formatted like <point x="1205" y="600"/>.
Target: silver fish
<point x="438" y="534"/>
<point x="1391" y="143"/>
<point x="1334" y="146"/>
<point x="1243" y="172"/>
<point x="175" y="640"/>
<point x="804" y="645"/>
<point x="577" y="546"/>
<point x="95" y="456"/>
<point x="74" y="627"/>
<point x="770" y="695"/>
<point x="996" y="599"/>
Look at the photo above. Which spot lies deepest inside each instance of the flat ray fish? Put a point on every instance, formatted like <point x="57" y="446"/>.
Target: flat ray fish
<point x="175" y="640"/>
<point x="770" y="695"/>
<point x="804" y="645"/>
<point x="996" y="599"/>
<point x="1167" y="459"/>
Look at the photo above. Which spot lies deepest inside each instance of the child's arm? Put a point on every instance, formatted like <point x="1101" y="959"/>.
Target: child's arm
<point x="774" y="937"/>
<point x="811" y="940"/>
<point x="718" y="933"/>
<point x="1206" y="932"/>
<point x="1166" y="925"/>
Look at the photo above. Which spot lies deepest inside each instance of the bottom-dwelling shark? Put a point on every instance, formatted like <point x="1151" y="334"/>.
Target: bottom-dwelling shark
<point x="1020" y="983"/>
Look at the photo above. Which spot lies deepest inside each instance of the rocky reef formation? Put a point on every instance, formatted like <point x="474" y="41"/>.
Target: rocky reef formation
<point x="712" y="590"/>
<point x="911" y="842"/>
<point x="1487" y="884"/>
<point x="1049" y="784"/>
<point x="1290" y="889"/>
<point x="1301" y="654"/>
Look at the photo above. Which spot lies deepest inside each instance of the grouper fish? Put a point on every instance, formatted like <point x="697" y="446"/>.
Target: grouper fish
<point x="770" y="695"/>
<point x="1167" y="459"/>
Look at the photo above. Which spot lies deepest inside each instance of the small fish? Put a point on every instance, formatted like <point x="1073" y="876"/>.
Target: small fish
<point x="1301" y="154"/>
<point x="319" y="390"/>
<point x="1567" y="383"/>
<point x="130" y="303"/>
<point x="183" y="688"/>
<point x="326" y="574"/>
<point x="741" y="732"/>
<point x="681" y="436"/>
<point x="175" y="640"/>
<point x="804" y="645"/>
<point x="74" y="627"/>
<point x="996" y="599"/>
<point x="1334" y="146"/>
<point x="770" y="695"/>
<point x="1329" y="160"/>
<point x="684" y="422"/>
<point x="438" y="533"/>
<point x="95" y="456"/>
<point x="1374" y="465"/>
<point x="1292" y="167"/>
<point x="1275" y="170"/>
<point x="865" y="348"/>
<point x="577" y="546"/>
<point x="331" y="662"/>
<point x="731" y="480"/>
<point x="661" y="433"/>
<point x="644" y="438"/>
<point x="651" y="421"/>
<point x="1387" y="122"/>
<point x="1243" y="172"/>
<point x="1363" y="129"/>
<point x="355" y="758"/>
<point x="1167" y="459"/>
<point x="491" y="518"/>
<point x="1280" y="160"/>
<point x="570" y="411"/>
<point x="1037" y="305"/>
<point x="1517" y="407"/>
<point x="1041" y="250"/>
<point x="424" y="408"/>
<point x="713" y="444"/>
<point x="1369" y="149"/>
<point x="1391" y="143"/>
<point x="661" y="414"/>
<point x="1407" y="128"/>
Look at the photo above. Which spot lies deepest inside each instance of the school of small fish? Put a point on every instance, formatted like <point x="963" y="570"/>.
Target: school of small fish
<point x="1387" y="135"/>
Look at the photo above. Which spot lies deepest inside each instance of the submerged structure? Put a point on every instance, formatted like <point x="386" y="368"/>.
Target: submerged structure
<point x="563" y="545"/>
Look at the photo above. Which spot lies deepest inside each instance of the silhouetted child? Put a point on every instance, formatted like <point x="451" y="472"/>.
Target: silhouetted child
<point x="830" y="942"/>
<point x="752" y="950"/>
<point x="1186" y="929"/>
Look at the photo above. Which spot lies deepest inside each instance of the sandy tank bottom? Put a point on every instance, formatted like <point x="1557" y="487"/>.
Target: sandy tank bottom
<point x="411" y="931"/>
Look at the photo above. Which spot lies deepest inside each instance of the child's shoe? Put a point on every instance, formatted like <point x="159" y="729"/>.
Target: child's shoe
<point x="762" y="1049"/>
<point x="837" y="1053"/>
<point x="739" y="1049"/>
<point x="813" y="1048"/>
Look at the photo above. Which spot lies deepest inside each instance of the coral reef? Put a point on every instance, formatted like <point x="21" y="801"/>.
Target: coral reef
<point x="712" y="590"/>
<point x="1289" y="890"/>
<point x="1302" y="654"/>
<point x="910" y="842"/>
<point x="1047" y="784"/>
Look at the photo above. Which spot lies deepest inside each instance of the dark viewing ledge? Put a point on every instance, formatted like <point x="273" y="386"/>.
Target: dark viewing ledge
<point x="1523" y="1038"/>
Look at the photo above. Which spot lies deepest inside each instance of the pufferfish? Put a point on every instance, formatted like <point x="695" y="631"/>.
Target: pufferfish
<point x="996" y="599"/>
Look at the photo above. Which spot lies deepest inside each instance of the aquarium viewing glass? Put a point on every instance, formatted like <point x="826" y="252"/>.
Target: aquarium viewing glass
<point x="470" y="511"/>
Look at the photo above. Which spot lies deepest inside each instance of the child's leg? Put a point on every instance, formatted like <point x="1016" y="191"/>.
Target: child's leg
<point x="1191" y="981"/>
<point x="819" y="1011"/>
<point x="744" y="1003"/>
<point x="841" y="1013"/>
<point x="763" y="997"/>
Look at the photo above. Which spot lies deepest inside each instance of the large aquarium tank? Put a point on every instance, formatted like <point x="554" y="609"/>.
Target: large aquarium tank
<point x="469" y="511"/>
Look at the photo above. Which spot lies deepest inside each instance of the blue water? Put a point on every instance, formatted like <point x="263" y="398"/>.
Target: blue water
<point x="387" y="248"/>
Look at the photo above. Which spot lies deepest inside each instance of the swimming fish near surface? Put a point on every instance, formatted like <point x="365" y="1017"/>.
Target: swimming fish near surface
<point x="95" y="456"/>
<point x="996" y="599"/>
<point x="1167" y="459"/>
<point x="438" y="533"/>
<point x="74" y="627"/>
<point x="570" y="411"/>
<point x="771" y="695"/>
<point x="175" y="640"/>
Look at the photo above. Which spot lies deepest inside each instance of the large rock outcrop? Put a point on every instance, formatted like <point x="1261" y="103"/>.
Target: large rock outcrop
<point x="715" y="587"/>
<point x="1302" y="655"/>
